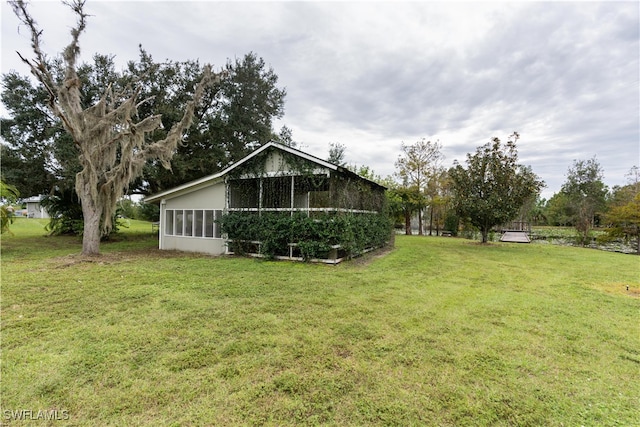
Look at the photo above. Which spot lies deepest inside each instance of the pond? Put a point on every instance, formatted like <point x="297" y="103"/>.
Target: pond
<point x="568" y="237"/>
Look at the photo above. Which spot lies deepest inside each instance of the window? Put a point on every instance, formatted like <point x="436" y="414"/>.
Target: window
<point x="179" y="223"/>
<point x="169" y="223"/>
<point x="209" y="225"/>
<point x="218" y="232"/>
<point x="188" y="223"/>
<point x="193" y="223"/>
<point x="198" y="224"/>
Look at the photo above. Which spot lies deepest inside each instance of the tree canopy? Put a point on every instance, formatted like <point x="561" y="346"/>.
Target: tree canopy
<point x="337" y="153"/>
<point x="493" y="187"/>
<point x="40" y="155"/>
<point x="586" y="195"/>
<point x="28" y="159"/>
<point x="109" y="134"/>
<point x="623" y="216"/>
<point x="10" y="194"/>
<point x="235" y="117"/>
<point x="417" y="168"/>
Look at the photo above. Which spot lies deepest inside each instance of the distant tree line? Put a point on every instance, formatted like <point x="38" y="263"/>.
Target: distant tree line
<point x="494" y="190"/>
<point x="585" y="203"/>
<point x="491" y="190"/>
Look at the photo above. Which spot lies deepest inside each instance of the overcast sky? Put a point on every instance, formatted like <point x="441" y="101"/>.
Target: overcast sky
<point x="371" y="75"/>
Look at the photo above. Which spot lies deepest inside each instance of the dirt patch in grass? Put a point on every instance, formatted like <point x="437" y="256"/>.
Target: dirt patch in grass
<point x="107" y="258"/>
<point x="630" y="290"/>
<point x="633" y="292"/>
<point x="369" y="257"/>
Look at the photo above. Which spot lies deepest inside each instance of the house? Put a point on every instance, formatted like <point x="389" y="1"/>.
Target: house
<point x="34" y="209"/>
<point x="278" y="202"/>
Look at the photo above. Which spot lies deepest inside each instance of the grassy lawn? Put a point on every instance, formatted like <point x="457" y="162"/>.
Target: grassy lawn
<point x="440" y="331"/>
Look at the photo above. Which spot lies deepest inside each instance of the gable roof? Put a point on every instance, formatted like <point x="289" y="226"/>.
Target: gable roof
<point x="33" y="199"/>
<point x="210" y="179"/>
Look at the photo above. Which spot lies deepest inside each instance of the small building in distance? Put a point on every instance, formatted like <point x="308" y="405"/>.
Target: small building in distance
<point x="34" y="208"/>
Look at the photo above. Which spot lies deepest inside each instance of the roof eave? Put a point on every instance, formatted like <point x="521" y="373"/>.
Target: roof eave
<point x="184" y="188"/>
<point x="196" y="184"/>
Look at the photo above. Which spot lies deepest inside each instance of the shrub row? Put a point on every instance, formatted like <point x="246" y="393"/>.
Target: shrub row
<point x="314" y="235"/>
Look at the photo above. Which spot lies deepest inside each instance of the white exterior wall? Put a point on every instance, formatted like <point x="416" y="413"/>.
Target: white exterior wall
<point x="34" y="210"/>
<point x="275" y="163"/>
<point x="211" y="197"/>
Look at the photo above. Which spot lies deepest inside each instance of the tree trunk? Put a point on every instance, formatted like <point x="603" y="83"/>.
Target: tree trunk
<point x="485" y="235"/>
<point x="91" y="215"/>
<point x="407" y="223"/>
<point x="420" y="233"/>
<point x="431" y="221"/>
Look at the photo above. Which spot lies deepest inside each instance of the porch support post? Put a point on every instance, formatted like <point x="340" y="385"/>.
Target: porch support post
<point x="163" y="223"/>
<point x="260" y="199"/>
<point x="227" y="194"/>
<point x="292" y="193"/>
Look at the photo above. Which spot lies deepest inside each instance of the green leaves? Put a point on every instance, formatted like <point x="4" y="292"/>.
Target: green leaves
<point x="586" y="194"/>
<point x="9" y="193"/>
<point x="493" y="187"/>
<point x="419" y="170"/>
<point x="623" y="217"/>
<point x="235" y="117"/>
<point x="314" y="235"/>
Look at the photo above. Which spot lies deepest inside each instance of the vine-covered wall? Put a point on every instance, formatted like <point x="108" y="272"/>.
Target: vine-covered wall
<point x="294" y="207"/>
<point x="323" y="236"/>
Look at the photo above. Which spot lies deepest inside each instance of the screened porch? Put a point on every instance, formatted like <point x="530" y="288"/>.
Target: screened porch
<point x="309" y="194"/>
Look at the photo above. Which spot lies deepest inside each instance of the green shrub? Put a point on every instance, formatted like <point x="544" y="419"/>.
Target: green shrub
<point x="452" y="223"/>
<point x="314" y="235"/>
<point x="65" y="211"/>
<point x="148" y="212"/>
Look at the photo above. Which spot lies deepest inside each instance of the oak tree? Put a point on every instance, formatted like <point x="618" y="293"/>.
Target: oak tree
<point x="235" y="116"/>
<point x="108" y="135"/>
<point x="27" y="135"/>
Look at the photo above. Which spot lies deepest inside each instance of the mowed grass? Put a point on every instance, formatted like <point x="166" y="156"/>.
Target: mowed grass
<point x="439" y="331"/>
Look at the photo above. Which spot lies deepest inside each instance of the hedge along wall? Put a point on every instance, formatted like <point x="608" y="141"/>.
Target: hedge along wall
<point x="314" y="236"/>
<point x="281" y="199"/>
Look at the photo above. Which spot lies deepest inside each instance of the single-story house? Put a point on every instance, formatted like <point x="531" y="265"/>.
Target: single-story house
<point x="35" y="209"/>
<point x="274" y="181"/>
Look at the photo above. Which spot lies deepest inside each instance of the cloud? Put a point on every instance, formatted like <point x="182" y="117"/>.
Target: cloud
<point x="372" y="75"/>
